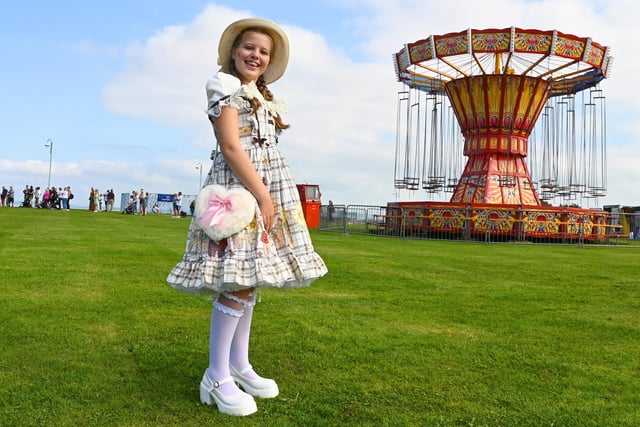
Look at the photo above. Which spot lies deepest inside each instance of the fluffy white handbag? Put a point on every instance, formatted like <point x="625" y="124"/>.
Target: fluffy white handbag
<point x="221" y="212"/>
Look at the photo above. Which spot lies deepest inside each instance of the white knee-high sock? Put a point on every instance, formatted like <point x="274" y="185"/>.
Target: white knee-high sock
<point x="224" y="322"/>
<point x="239" y="357"/>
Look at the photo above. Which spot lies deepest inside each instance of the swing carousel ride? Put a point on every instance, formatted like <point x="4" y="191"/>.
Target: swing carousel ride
<point x="517" y="104"/>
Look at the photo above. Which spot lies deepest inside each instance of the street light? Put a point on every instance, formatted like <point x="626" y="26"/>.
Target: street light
<point x="199" y="167"/>
<point x="49" y="144"/>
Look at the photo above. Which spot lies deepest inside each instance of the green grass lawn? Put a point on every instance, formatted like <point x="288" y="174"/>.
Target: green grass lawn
<point x="399" y="333"/>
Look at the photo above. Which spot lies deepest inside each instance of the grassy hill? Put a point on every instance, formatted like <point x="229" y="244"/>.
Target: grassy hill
<point x="399" y="333"/>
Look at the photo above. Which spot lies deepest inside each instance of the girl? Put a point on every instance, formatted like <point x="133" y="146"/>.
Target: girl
<point x="274" y="250"/>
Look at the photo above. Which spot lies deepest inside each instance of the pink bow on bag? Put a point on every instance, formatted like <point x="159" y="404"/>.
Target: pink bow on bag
<point x="221" y="213"/>
<point x="217" y="209"/>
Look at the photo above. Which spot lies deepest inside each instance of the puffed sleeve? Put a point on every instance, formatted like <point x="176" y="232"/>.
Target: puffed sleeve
<point x="222" y="89"/>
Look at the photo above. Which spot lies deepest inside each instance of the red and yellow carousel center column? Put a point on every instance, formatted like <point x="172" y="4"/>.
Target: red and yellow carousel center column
<point x="496" y="113"/>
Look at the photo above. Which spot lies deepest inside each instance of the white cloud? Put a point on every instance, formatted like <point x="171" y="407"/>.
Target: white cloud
<point x="165" y="75"/>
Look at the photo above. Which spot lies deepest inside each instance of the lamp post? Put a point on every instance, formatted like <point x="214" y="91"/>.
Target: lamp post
<point x="199" y="167"/>
<point x="49" y="144"/>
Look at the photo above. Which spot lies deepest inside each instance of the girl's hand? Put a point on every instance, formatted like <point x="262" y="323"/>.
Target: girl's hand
<point x="268" y="212"/>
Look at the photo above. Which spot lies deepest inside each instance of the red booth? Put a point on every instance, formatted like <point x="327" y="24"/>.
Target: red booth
<point x="310" y="199"/>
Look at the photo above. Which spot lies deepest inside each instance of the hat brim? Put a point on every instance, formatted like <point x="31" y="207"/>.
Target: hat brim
<point x="279" y="55"/>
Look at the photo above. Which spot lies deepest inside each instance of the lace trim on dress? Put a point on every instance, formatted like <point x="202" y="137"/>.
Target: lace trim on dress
<point x="234" y="101"/>
<point x="241" y="97"/>
<point x="217" y="305"/>
<point x="245" y="302"/>
<point x="251" y="91"/>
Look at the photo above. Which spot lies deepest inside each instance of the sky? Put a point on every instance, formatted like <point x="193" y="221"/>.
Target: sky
<point x="118" y="88"/>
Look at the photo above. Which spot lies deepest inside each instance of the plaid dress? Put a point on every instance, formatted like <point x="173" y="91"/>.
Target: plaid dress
<point x="283" y="258"/>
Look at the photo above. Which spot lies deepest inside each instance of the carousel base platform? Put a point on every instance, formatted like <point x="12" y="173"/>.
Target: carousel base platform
<point x="497" y="222"/>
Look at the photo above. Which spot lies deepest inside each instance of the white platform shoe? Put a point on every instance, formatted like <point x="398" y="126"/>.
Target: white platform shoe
<point x="240" y="403"/>
<point x="259" y="387"/>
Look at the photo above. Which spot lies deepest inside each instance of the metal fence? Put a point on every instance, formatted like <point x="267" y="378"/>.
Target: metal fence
<point x="152" y="199"/>
<point x="484" y="224"/>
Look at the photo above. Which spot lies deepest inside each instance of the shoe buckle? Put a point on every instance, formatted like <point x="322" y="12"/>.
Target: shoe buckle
<point x="217" y="384"/>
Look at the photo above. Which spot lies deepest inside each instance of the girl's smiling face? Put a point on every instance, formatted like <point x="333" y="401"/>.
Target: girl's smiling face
<point x="252" y="55"/>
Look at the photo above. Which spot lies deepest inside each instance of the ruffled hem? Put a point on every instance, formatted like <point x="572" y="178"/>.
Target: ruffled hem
<point x="215" y="275"/>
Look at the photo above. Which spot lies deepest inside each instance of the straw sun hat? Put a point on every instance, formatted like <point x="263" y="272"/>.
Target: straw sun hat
<point x="279" y="54"/>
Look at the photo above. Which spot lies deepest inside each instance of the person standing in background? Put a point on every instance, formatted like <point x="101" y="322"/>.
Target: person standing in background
<point x="143" y="202"/>
<point x="111" y="197"/>
<point x="177" y="204"/>
<point x="92" y="206"/>
<point x="64" y="198"/>
<point x="70" y="193"/>
<point x="11" y="196"/>
<point x="96" y="200"/>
